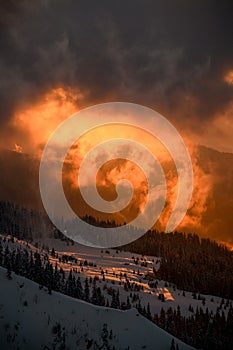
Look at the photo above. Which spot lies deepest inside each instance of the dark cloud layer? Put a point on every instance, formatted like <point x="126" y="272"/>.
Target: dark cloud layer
<point x="160" y="53"/>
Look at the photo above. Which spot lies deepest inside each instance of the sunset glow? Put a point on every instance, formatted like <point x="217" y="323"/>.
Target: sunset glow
<point x="112" y="172"/>
<point x="229" y="77"/>
<point x="37" y="122"/>
<point x="40" y="120"/>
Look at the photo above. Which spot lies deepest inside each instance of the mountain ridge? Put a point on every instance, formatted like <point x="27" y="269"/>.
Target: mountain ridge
<point x="19" y="183"/>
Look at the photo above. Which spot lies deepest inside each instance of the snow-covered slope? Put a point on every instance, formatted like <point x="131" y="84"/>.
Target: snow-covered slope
<point x="117" y="263"/>
<point x="119" y="266"/>
<point x="30" y="318"/>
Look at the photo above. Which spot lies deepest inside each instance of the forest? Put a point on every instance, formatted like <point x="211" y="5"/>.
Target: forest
<point x="204" y="330"/>
<point x="190" y="263"/>
<point x="194" y="264"/>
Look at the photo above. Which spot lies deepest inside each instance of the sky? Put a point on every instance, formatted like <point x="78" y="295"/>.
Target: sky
<point x="59" y="56"/>
<point x="173" y="56"/>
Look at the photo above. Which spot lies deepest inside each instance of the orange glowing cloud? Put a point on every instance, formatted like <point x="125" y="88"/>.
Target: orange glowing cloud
<point x="228" y="78"/>
<point x="109" y="175"/>
<point x="40" y="120"/>
<point x="202" y="192"/>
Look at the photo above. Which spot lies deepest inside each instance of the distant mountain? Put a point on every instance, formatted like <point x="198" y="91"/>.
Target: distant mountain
<point x="217" y="218"/>
<point x="209" y="216"/>
<point x="19" y="179"/>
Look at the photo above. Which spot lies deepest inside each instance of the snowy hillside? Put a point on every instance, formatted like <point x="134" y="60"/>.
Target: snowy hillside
<point x="30" y="318"/>
<point x="114" y="268"/>
<point x="116" y="280"/>
<point x="119" y="267"/>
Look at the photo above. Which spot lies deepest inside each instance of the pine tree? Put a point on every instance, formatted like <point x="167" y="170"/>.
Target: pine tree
<point x="104" y="336"/>
<point x="170" y="326"/>
<point x="48" y="276"/>
<point x="118" y="299"/>
<point x="94" y="298"/>
<point x="100" y="297"/>
<point x="25" y="263"/>
<point x="86" y="291"/>
<point x="162" y="318"/>
<point x="113" y="302"/>
<point x="38" y="273"/>
<point x="1" y="254"/>
<point x="6" y="257"/>
<point x="70" y="287"/>
<point x="144" y="311"/>
<point x="56" y="278"/>
<point x="53" y="253"/>
<point x="8" y="273"/>
<point x="173" y="345"/>
<point x="128" y="305"/>
<point x="79" y="289"/>
<point x="148" y="313"/>
<point x="139" y="306"/>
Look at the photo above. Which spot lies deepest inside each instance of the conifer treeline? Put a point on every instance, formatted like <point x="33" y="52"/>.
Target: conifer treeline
<point x="202" y="329"/>
<point x="26" y="224"/>
<point x="23" y="223"/>
<point x="38" y="268"/>
<point x="191" y="263"/>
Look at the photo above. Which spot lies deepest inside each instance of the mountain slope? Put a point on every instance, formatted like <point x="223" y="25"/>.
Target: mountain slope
<point x="31" y="318"/>
<point x="209" y="216"/>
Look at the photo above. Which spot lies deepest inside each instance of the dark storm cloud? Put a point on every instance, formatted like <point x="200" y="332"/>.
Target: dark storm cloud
<point x="158" y="53"/>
